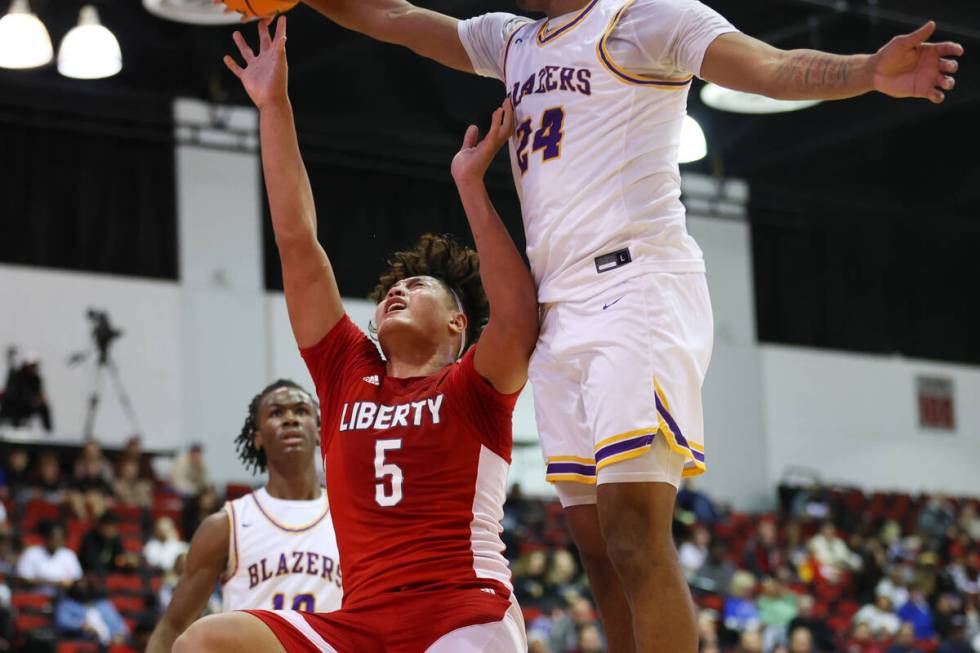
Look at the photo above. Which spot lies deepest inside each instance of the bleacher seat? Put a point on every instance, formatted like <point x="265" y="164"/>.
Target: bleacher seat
<point x="123" y="583"/>
<point x="128" y="604"/>
<point x="31" y="602"/>
<point x="77" y="647"/>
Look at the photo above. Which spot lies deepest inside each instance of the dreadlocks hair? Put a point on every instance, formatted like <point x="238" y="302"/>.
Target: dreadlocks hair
<point x="253" y="458"/>
<point x="454" y="264"/>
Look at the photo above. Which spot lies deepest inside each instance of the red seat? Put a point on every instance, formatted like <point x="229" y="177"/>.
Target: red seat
<point x="77" y="647"/>
<point x="133" y="544"/>
<point x="25" y="623"/>
<point x="131" y="528"/>
<point x="714" y="602"/>
<point x="236" y="490"/>
<point x="31" y="601"/>
<point x="36" y="509"/>
<point x="121" y="648"/>
<point x="123" y="583"/>
<point x="128" y="513"/>
<point x="133" y="604"/>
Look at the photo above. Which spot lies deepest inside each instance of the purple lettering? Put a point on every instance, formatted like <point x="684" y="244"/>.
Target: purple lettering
<point x="565" y="77"/>
<point x="549" y="78"/>
<point x="266" y="575"/>
<point x="311" y="562"/>
<point x="297" y="562"/>
<point x="585" y="81"/>
<point x="327" y="568"/>
<point x="283" y="567"/>
<point x="253" y="576"/>
<point x="528" y="87"/>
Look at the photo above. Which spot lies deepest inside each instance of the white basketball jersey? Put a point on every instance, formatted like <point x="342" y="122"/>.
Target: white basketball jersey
<point x="282" y="555"/>
<point x="594" y="158"/>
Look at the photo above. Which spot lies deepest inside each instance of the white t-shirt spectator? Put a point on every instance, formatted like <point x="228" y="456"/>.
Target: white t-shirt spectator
<point x="654" y="37"/>
<point x="37" y="564"/>
<point x="162" y="554"/>
<point x="691" y="557"/>
<point x="881" y="622"/>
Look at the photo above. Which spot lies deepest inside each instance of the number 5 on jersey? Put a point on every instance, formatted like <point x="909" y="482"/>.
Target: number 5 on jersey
<point x="387" y="473"/>
<point x="547" y="137"/>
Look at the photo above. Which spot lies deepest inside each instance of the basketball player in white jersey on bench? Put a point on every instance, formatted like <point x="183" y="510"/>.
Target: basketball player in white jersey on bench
<point x="273" y="549"/>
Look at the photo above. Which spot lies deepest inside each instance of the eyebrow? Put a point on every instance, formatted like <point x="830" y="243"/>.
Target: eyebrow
<point x="278" y="404"/>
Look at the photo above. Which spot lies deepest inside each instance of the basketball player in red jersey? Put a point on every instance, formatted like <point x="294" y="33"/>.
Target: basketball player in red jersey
<point x="416" y="441"/>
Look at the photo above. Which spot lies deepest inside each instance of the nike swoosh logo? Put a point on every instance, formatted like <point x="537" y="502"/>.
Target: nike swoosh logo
<point x="605" y="306"/>
<point x="245" y="525"/>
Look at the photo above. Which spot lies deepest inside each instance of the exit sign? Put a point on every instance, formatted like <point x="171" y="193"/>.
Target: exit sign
<point x="936" y="407"/>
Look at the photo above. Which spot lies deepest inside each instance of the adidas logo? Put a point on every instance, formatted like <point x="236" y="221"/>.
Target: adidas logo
<point x="373" y="379"/>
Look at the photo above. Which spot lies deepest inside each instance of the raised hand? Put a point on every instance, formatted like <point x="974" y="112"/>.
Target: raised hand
<point x="907" y="66"/>
<point x="474" y="158"/>
<point x="265" y="75"/>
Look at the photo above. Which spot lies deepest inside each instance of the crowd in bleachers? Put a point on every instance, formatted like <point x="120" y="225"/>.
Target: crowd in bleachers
<point x="832" y="570"/>
<point x="91" y="549"/>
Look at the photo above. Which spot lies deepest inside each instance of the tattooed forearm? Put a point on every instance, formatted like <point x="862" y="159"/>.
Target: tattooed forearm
<point x="811" y="74"/>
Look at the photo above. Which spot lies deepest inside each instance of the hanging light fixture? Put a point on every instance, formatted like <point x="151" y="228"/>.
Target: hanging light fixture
<point x="24" y="40"/>
<point x="89" y="50"/>
<point x="693" y="146"/>
<point x="725" y="99"/>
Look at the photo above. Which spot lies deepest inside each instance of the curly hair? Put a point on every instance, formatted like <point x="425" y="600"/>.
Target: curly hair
<point x="454" y="264"/>
<point x="252" y="457"/>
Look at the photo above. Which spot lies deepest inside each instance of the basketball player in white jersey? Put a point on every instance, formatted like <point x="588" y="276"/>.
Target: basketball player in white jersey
<point x="599" y="89"/>
<point x="273" y="549"/>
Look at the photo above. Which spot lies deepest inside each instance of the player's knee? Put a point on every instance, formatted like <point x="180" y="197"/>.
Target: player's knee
<point x="193" y="640"/>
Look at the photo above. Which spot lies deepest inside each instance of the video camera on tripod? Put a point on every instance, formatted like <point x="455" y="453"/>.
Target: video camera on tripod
<point x="104" y="334"/>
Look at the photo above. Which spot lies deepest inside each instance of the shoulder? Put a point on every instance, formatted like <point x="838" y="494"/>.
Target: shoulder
<point x="211" y="537"/>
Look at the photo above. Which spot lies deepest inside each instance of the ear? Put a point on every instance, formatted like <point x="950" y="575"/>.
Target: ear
<point x="458" y="322"/>
<point x="257" y="439"/>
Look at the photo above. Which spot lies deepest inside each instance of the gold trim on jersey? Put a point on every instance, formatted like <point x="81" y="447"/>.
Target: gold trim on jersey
<point x="624" y="75"/>
<point x="510" y="41"/>
<point x="292" y="529"/>
<point x="546" y="34"/>
<point x="232" y="544"/>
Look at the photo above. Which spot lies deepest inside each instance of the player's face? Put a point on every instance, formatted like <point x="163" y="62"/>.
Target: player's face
<point x="419" y="307"/>
<point x="287" y="424"/>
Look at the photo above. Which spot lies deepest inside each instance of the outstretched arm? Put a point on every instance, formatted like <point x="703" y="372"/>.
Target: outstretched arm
<point x="425" y="32"/>
<point x="206" y="561"/>
<point x="509" y="337"/>
<point x="312" y="297"/>
<point x="907" y="66"/>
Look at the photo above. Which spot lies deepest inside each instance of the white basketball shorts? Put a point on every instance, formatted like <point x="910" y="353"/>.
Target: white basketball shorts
<point x="617" y="384"/>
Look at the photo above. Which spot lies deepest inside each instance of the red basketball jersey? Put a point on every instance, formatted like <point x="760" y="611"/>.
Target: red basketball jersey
<point x="416" y="470"/>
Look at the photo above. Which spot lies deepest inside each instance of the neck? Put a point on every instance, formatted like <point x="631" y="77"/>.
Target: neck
<point x="415" y="359"/>
<point x="293" y="483"/>
<point x="561" y="7"/>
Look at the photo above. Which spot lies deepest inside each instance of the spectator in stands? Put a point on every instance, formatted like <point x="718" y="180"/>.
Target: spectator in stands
<point x="796" y="551"/>
<point x="763" y="555"/>
<point x="873" y="564"/>
<point x="880" y="618"/>
<point x="905" y="641"/>
<point x="831" y="553"/>
<point x="163" y="549"/>
<point x="820" y="632"/>
<point x="936" y="516"/>
<point x="50" y="566"/>
<point x="777" y="608"/>
<point x="18" y="474"/>
<point x="92" y="485"/>
<point x="563" y="575"/>
<point x="197" y="508"/>
<point x="969" y="521"/>
<point x="47" y="481"/>
<point x="189" y="475"/>
<point x="694" y="550"/>
<point x="169" y="581"/>
<point x="697" y="503"/>
<point x="707" y="627"/>
<point x="801" y="640"/>
<point x="24" y="395"/>
<point x="916" y="611"/>
<point x="590" y="640"/>
<point x="740" y="610"/>
<point x="102" y="548"/>
<point x="81" y="612"/>
<point x="861" y="640"/>
<point x="894" y="586"/>
<point x="130" y="488"/>
<point x="750" y="642"/>
<point x="8" y="556"/>
<point x="947" y="609"/>
<point x="812" y="502"/>
<point x="955" y="641"/>
<point x="529" y="572"/>
<point x="565" y="631"/>
<point x="964" y="573"/>
<point x="133" y="452"/>
<point x="716" y="573"/>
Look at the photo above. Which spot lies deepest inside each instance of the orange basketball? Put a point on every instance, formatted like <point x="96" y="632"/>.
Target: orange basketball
<point x="260" y="8"/>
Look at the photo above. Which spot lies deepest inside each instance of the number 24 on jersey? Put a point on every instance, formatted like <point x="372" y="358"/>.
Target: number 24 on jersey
<point x="546" y="139"/>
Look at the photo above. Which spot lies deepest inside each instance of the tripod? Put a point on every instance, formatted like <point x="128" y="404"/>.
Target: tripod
<point x="105" y="365"/>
